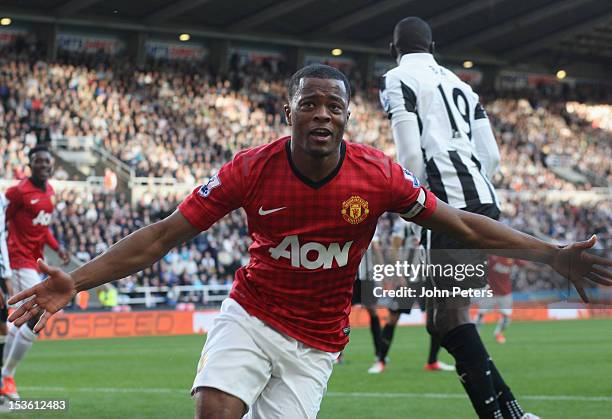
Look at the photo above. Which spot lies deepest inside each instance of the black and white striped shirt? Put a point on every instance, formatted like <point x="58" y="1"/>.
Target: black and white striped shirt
<point x="455" y="139"/>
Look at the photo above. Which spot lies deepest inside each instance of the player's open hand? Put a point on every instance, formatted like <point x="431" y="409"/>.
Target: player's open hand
<point x="574" y="263"/>
<point x="50" y="296"/>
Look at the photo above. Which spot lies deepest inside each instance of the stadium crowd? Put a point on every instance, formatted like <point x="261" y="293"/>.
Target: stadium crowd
<point x="531" y="131"/>
<point x="184" y="122"/>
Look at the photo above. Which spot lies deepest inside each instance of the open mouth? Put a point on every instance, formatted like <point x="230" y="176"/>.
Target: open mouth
<point x="321" y="134"/>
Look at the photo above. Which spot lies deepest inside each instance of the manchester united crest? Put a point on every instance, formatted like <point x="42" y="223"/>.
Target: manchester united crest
<point x="355" y="209"/>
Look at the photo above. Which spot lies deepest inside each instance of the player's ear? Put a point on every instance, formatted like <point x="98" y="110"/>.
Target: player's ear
<point x="393" y="50"/>
<point x="287" y="110"/>
<point x="432" y="48"/>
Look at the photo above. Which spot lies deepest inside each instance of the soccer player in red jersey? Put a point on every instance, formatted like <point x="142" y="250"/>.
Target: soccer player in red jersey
<point x="312" y="201"/>
<point x="28" y="215"/>
<point x="500" y="282"/>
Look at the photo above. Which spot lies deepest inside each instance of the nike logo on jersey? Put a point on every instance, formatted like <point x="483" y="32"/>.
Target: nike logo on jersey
<point x="34" y="201"/>
<point x="270" y="211"/>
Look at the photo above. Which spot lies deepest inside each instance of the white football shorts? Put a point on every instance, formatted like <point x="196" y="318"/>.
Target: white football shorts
<point x="273" y="374"/>
<point x="23" y="279"/>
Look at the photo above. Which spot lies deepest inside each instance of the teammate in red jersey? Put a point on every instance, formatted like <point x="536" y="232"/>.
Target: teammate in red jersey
<point x="28" y="215"/>
<point x="499" y="280"/>
<point x="312" y="201"/>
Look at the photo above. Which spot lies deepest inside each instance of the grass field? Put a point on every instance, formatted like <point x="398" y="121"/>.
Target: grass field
<point x="557" y="369"/>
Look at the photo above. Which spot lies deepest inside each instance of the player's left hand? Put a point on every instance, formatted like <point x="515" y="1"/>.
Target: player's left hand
<point x="46" y="297"/>
<point x="574" y="263"/>
<point x="64" y="256"/>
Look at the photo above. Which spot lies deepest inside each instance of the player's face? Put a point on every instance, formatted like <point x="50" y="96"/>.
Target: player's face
<point x="318" y="115"/>
<point x="41" y="164"/>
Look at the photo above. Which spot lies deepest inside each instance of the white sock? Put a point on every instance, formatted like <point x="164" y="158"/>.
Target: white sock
<point x="8" y="344"/>
<point x="23" y="342"/>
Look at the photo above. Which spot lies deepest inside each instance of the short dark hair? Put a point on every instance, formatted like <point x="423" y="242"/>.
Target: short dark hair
<point x="412" y="34"/>
<point x="317" y="71"/>
<point x="37" y="149"/>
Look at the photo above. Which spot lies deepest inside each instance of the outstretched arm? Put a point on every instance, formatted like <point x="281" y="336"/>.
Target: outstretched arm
<point x="481" y="232"/>
<point x="131" y="254"/>
<point x="135" y="252"/>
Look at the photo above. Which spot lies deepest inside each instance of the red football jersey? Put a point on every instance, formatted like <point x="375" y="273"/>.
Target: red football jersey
<point x="308" y="237"/>
<point x="499" y="275"/>
<point x="28" y="217"/>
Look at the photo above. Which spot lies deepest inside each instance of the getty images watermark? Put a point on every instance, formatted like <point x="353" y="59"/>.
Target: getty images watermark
<point x="402" y="276"/>
<point x="462" y="284"/>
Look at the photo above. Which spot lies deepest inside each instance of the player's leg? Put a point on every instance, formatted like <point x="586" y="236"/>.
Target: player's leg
<point x="509" y="405"/>
<point x="378" y="366"/>
<point x="484" y="306"/>
<point x="233" y="369"/>
<point x="490" y="395"/>
<point x="375" y="330"/>
<point x="22" y="338"/>
<point x="505" y="310"/>
<point x="502" y="324"/>
<point x="433" y="364"/>
<point x="12" y="329"/>
<point x="388" y="331"/>
<point x="463" y="342"/>
<point x="363" y="295"/>
<point x="385" y="339"/>
<point x="481" y="380"/>
<point x="449" y="322"/>
<point x="8" y="345"/>
<point x="216" y="404"/>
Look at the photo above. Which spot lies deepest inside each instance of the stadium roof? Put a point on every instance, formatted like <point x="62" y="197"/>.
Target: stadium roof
<point x="551" y="32"/>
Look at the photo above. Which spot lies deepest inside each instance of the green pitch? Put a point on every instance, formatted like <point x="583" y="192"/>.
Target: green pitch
<point x="557" y="370"/>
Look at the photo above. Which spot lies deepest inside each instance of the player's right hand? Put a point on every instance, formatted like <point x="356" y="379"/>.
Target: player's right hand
<point x="50" y="296"/>
<point x="574" y="263"/>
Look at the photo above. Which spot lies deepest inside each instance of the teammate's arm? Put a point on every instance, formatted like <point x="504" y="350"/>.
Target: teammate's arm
<point x="481" y="232"/>
<point x="59" y="249"/>
<point x="128" y="256"/>
<point x="399" y="102"/>
<point x="408" y="142"/>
